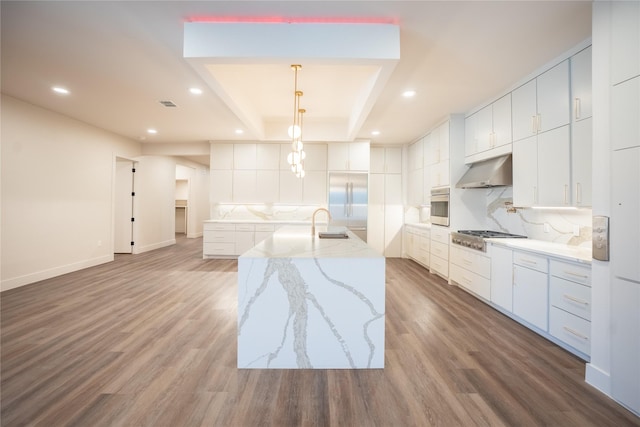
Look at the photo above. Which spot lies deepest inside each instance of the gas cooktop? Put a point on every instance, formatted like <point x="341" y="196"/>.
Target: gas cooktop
<point x="474" y="239"/>
<point x="488" y="234"/>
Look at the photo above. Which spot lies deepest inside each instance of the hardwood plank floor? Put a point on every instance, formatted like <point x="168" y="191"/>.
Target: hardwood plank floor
<point x="150" y="340"/>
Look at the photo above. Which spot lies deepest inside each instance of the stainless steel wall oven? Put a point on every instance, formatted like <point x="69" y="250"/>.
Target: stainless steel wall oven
<point x="440" y="206"/>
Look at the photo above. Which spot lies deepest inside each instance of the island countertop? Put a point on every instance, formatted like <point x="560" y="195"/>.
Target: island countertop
<point x="297" y="242"/>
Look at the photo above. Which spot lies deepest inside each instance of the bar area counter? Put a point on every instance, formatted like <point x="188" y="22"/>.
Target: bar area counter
<point x="306" y="302"/>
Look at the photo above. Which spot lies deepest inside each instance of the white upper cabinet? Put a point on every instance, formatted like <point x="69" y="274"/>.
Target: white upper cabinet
<point x="221" y="157"/>
<point x="581" y="84"/>
<point x="316" y="159"/>
<point x="244" y="156"/>
<point x="386" y="160"/>
<point x="625" y="111"/>
<point x="542" y="104"/>
<point x="625" y="40"/>
<point x="416" y="152"/>
<point x="348" y="156"/>
<point x="489" y="127"/>
<point x="525" y="172"/>
<point x="267" y="186"/>
<point x="268" y="156"/>
<point x="314" y="188"/>
<point x="581" y="162"/>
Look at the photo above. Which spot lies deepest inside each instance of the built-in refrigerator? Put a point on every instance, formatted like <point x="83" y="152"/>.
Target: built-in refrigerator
<point x="348" y="201"/>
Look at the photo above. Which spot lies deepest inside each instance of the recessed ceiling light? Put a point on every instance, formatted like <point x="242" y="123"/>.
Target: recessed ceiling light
<point x="60" y="90"/>
<point x="409" y="93"/>
<point x="195" y="91"/>
<point x="375" y="133"/>
<point x="239" y="131"/>
<point x="152" y="131"/>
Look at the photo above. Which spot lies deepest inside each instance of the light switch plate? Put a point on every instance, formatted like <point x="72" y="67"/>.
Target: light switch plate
<point x="600" y="238"/>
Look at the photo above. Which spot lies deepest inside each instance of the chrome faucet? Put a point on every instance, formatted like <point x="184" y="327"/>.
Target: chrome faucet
<point x="313" y="219"/>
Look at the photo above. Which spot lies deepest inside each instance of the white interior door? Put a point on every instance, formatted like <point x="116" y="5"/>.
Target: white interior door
<point x="123" y="207"/>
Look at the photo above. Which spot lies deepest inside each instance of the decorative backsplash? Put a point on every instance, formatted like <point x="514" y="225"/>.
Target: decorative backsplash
<point x="550" y="225"/>
<point x="267" y="212"/>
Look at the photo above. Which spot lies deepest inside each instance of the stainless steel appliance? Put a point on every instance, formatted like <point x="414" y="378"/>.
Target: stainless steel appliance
<point x="348" y="201"/>
<point x="475" y="239"/>
<point x="494" y="172"/>
<point x="439" y="211"/>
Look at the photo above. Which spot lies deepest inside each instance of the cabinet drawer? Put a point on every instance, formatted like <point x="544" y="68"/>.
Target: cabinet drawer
<point x="439" y="235"/>
<point x="216" y="226"/>
<point x="571" y="297"/>
<point x="471" y="260"/>
<point x="218" y="249"/>
<point x="529" y="260"/>
<point x="439" y="265"/>
<point x="219" y="237"/>
<point x="569" y="271"/>
<point x="478" y="285"/>
<point x="570" y="329"/>
<point x="440" y="250"/>
<point x="424" y="243"/>
<point x="265" y="227"/>
<point x="245" y="227"/>
<point x="422" y="257"/>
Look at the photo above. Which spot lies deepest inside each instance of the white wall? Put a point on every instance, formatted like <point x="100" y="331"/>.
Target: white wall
<point x="57" y="176"/>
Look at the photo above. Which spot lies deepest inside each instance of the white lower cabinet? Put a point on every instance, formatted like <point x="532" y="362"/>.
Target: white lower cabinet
<point x="224" y="240"/>
<point x="417" y="243"/>
<point x="439" y="251"/>
<point x="471" y="270"/>
<point x="530" y="289"/>
<point x="502" y="277"/>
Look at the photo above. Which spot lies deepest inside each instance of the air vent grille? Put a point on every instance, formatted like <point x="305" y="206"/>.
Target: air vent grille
<point x="168" y="103"/>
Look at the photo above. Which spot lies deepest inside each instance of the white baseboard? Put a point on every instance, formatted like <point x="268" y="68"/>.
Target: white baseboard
<point x="27" y="279"/>
<point x="194" y="235"/>
<point x="158" y="245"/>
<point x="597" y="378"/>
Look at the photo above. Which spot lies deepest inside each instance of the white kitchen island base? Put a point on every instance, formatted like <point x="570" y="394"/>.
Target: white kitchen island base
<point x="310" y="303"/>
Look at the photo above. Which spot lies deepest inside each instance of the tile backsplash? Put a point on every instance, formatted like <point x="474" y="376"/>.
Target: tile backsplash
<point x="266" y="212"/>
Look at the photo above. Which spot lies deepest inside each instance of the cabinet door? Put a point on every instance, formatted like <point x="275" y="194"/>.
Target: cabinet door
<point x="415" y="187"/>
<point x="625" y="110"/>
<point x="338" y="156"/>
<point x="625" y="40"/>
<point x="393" y="220"/>
<point x="625" y="203"/>
<point x="530" y="296"/>
<point x="553" y="98"/>
<point x="431" y="144"/>
<point x="221" y="186"/>
<point x="314" y="188"/>
<point x="393" y="189"/>
<point x="484" y="128"/>
<point x="554" y="160"/>
<point x="416" y="155"/>
<point x="244" y="241"/>
<point x="375" y="227"/>
<point x="267" y="186"/>
<point x="244" y="186"/>
<point x="316" y="159"/>
<point x="290" y="188"/>
<point x="523" y="102"/>
<point x="221" y="156"/>
<point x="581" y="155"/>
<point x="377" y="164"/>
<point x="525" y="172"/>
<point x="443" y="135"/>
<point x="268" y="156"/>
<point x="502" y="121"/>
<point x="581" y="84"/>
<point x="471" y="135"/>
<point x="244" y="156"/>
<point x="440" y="174"/>
<point x="358" y="156"/>
<point x="393" y="160"/>
<point x="502" y="277"/>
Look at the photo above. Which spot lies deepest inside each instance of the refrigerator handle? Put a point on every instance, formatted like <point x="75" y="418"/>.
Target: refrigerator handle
<point x="351" y="199"/>
<point x="346" y="199"/>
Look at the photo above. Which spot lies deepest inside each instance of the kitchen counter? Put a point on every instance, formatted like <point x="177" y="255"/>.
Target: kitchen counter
<point x="311" y="303"/>
<point x="559" y="250"/>
<point x="422" y="225"/>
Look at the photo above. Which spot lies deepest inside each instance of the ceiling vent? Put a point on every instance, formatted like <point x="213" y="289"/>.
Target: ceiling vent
<point x="168" y="103"/>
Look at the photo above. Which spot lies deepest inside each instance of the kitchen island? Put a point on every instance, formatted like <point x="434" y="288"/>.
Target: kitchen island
<point x="306" y="302"/>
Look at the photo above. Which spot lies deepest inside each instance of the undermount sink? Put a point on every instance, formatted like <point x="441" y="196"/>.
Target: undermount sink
<point x="341" y="234"/>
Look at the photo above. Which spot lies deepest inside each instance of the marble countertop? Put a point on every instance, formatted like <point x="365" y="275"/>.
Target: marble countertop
<point x="266" y="221"/>
<point x="297" y="242"/>
<point x="560" y="250"/>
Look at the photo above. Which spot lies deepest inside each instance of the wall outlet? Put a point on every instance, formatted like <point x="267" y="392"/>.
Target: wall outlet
<point x="576" y="230"/>
<point x="546" y="227"/>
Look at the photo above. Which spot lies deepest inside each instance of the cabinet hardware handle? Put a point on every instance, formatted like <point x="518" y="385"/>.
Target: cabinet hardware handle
<point x="467" y="279"/>
<point x="576" y="107"/>
<point x="529" y="261"/>
<point x="574" y="299"/>
<point x="576" y="333"/>
<point x="533" y="124"/>
<point x="466" y="261"/>
<point x="571" y="273"/>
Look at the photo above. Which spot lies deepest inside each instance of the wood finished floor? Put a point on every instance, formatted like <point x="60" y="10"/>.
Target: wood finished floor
<point x="150" y="340"/>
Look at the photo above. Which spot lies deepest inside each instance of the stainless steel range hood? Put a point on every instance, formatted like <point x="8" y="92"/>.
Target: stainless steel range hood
<point x="494" y="172"/>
